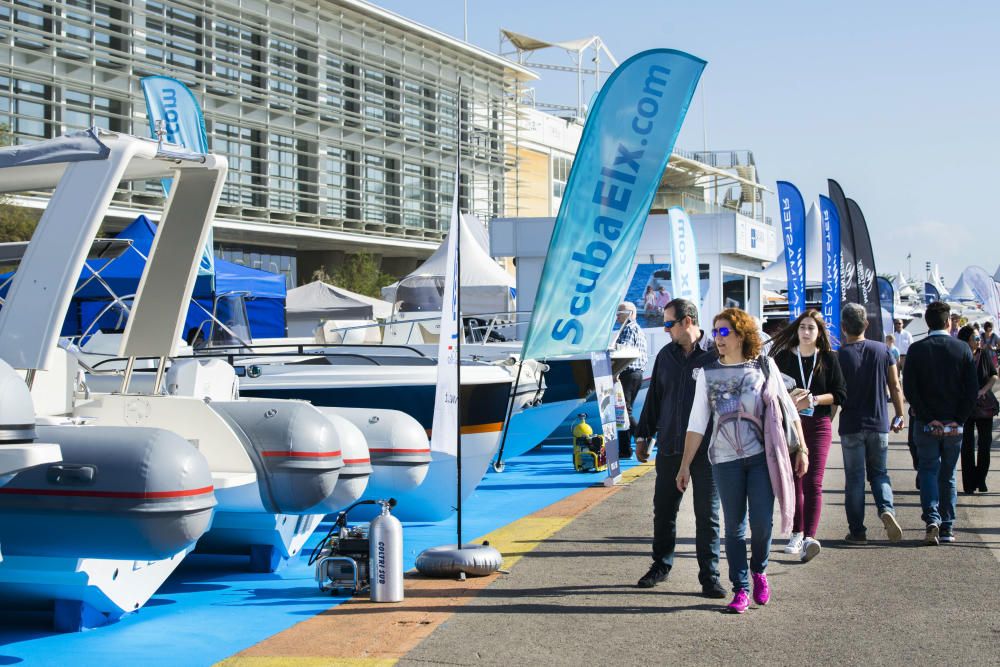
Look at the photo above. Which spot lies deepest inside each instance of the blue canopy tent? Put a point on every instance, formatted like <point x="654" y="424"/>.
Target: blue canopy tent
<point x="264" y="292"/>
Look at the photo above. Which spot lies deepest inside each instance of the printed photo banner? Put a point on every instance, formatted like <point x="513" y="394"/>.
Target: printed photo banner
<point x="627" y="141"/>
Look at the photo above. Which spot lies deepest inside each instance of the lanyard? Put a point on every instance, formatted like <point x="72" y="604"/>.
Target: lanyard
<point x="802" y="372"/>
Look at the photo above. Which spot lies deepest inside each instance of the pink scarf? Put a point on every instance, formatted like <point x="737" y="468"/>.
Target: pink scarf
<point x="779" y="464"/>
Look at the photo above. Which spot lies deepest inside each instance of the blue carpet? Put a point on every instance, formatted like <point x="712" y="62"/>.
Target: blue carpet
<point x="211" y="608"/>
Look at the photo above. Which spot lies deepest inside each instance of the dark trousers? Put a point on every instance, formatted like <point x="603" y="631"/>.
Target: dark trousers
<point x="631" y="383"/>
<point x="975" y="465"/>
<point x="666" y="503"/>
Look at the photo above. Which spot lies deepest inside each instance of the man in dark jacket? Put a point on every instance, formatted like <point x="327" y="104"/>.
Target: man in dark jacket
<point x="941" y="386"/>
<point x="665" y="415"/>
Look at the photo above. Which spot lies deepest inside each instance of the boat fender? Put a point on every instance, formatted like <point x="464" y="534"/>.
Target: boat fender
<point x="476" y="560"/>
<point x="294" y="448"/>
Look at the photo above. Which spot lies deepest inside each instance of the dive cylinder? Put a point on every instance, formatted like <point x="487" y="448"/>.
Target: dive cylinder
<point x="385" y="545"/>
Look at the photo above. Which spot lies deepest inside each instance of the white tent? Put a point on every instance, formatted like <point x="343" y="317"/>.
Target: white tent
<point x="776" y="276"/>
<point x="902" y="287"/>
<point x="310" y="304"/>
<point x="961" y="291"/>
<point x="938" y="282"/>
<point x="486" y="286"/>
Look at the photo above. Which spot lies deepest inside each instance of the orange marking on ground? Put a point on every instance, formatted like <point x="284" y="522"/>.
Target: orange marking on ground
<point x="362" y="630"/>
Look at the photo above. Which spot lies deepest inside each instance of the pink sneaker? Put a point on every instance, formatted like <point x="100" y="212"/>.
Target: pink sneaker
<point x="761" y="591"/>
<point x="740" y="603"/>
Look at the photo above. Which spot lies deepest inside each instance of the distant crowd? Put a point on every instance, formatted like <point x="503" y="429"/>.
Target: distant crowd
<point x="766" y="416"/>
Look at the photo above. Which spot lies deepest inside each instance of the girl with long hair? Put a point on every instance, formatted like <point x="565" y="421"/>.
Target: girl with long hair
<point x="803" y="351"/>
<point x="741" y="393"/>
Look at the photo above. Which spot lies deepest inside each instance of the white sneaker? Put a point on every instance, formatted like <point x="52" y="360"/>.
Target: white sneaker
<point x="794" y="545"/>
<point x="810" y="549"/>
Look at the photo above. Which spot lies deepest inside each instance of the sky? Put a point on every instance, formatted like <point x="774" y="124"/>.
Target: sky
<point x="898" y="101"/>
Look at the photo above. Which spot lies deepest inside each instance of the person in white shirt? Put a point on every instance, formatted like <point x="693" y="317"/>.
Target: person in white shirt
<point x="903" y="340"/>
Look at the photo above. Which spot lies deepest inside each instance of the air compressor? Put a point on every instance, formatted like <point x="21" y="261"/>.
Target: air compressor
<point x="363" y="557"/>
<point x="589" y="454"/>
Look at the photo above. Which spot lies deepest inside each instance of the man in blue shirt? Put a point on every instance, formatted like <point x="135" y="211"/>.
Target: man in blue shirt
<point x="864" y="424"/>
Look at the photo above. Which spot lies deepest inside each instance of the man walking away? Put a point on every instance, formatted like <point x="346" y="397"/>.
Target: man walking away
<point x="665" y="415"/>
<point x="941" y="387"/>
<point x="630" y="335"/>
<point x="904" y="339"/>
<point x="864" y="424"/>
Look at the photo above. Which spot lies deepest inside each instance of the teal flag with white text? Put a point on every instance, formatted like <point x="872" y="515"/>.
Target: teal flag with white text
<point x="174" y="105"/>
<point x="627" y="141"/>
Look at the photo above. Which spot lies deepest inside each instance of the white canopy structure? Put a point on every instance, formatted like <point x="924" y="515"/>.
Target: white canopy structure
<point x="938" y="282"/>
<point x="486" y="286"/>
<point x="961" y="291"/>
<point x="902" y="287"/>
<point x="309" y="305"/>
<point x="776" y="276"/>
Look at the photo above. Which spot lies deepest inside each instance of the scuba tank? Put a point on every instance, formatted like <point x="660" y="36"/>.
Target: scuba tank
<point x="581" y="429"/>
<point x="385" y="545"/>
<point x="366" y="557"/>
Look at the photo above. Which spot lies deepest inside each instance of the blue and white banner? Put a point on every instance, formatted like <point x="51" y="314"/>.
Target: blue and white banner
<point x="931" y="293"/>
<point x="170" y="101"/>
<point x="831" y="267"/>
<point x="793" y="233"/>
<point x="626" y="143"/>
<point x="684" y="258"/>
<point x="887" y="298"/>
<point x="444" y="428"/>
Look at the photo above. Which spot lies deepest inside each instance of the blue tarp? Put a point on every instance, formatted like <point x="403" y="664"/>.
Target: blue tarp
<point x="265" y="292"/>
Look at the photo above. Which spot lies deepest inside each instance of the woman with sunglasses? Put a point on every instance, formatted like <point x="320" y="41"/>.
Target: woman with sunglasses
<point x="802" y="351"/>
<point x="744" y="400"/>
<point x="976" y="465"/>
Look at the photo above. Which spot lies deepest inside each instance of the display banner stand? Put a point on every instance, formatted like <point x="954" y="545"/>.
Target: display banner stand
<point x="604" y="389"/>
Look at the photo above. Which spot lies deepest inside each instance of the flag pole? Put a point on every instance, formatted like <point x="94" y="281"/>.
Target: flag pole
<point x="458" y="310"/>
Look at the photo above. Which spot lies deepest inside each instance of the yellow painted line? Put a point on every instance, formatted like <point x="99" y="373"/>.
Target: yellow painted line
<point x="255" y="661"/>
<point x="516" y="539"/>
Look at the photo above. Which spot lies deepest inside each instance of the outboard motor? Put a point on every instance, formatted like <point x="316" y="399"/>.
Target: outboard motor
<point x="361" y="558"/>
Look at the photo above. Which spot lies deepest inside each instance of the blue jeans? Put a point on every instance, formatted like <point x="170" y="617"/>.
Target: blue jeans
<point x="938" y="459"/>
<point x="865" y="451"/>
<point x="742" y="483"/>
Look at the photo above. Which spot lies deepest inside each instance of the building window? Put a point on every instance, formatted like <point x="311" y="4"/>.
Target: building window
<point x="25" y="108"/>
<point x="83" y="111"/>
<point x="333" y="181"/>
<point x="281" y="171"/>
<point x="173" y="36"/>
<point x="376" y="198"/>
<point x="413" y="196"/>
<point x="33" y="20"/>
<point x="236" y="54"/>
<point x="236" y="143"/>
<point x="560" y="175"/>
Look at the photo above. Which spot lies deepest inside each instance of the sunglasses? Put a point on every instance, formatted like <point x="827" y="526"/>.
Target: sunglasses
<point x="722" y="332"/>
<point x="976" y="338"/>
<point x="669" y="324"/>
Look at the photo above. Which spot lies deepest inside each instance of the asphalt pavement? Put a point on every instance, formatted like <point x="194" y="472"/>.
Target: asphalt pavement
<point x="573" y="600"/>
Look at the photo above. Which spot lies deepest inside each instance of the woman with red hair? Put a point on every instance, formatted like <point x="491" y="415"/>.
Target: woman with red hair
<point x="741" y="393"/>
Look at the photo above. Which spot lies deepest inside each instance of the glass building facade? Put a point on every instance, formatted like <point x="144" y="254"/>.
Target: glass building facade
<point x="335" y="116"/>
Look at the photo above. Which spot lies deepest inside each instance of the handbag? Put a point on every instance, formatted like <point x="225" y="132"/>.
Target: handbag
<point x="987" y="406"/>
